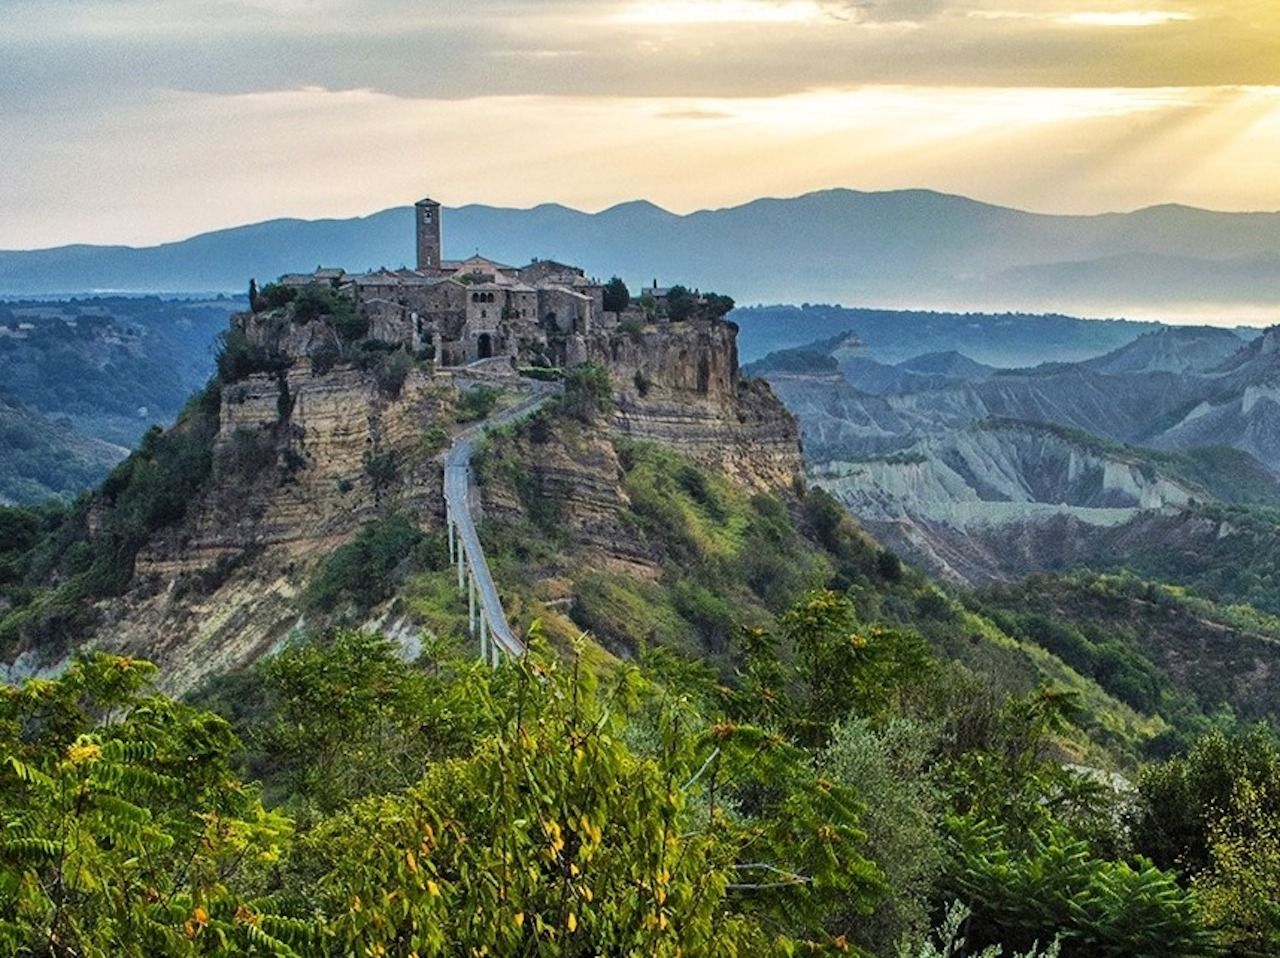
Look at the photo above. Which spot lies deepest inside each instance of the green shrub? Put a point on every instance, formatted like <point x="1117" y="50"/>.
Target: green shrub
<point x="890" y="769"/>
<point x="1022" y="892"/>
<point x="276" y="295"/>
<point x="434" y="438"/>
<point x="246" y="454"/>
<point x="391" y="372"/>
<point x="381" y="468"/>
<point x="588" y="392"/>
<point x="477" y="403"/>
<point x="366" y="570"/>
<point x="324" y="357"/>
<point x="318" y="302"/>
<point x="546" y="374"/>
<point x="237" y="358"/>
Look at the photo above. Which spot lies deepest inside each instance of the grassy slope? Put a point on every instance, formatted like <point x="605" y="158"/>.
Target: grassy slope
<point x="1161" y="648"/>
<point x="727" y="560"/>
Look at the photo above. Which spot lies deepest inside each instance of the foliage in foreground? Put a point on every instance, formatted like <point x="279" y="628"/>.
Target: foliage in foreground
<point x="544" y="808"/>
<point x="123" y="828"/>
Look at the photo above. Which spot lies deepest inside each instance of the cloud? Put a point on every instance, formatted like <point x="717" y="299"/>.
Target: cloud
<point x="721" y="11"/>
<point x="897" y="11"/>
<point x="695" y="114"/>
<point x="119" y="97"/>
<point x="179" y="163"/>
<point x="1125" y="18"/>
<point x="112" y="50"/>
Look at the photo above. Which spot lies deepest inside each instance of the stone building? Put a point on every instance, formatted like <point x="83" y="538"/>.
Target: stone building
<point x="462" y="311"/>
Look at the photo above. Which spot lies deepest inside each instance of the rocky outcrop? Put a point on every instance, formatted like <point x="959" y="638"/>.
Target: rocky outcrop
<point x="679" y="384"/>
<point x="301" y="463"/>
<point x="568" y="480"/>
<point x="998" y="471"/>
<point x="1056" y="541"/>
<point x="307" y="454"/>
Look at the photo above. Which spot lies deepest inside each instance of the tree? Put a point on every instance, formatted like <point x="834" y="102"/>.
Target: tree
<point x="554" y="836"/>
<point x="124" y="828"/>
<point x="237" y="357"/>
<point x="846" y="668"/>
<point x="616" y="295"/>
<point x="345" y="717"/>
<point x="1025" y="891"/>
<point x="1180" y="801"/>
<point x="254" y="305"/>
<point x="716" y="305"/>
<point x="588" y="391"/>
<point x="680" y="303"/>
<point x="1239" y="885"/>
<point x="276" y="296"/>
<point x="890" y="769"/>
<point x="948" y="940"/>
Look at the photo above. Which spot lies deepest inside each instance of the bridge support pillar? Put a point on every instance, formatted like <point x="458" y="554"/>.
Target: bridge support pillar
<point x="448" y="518"/>
<point x="471" y="605"/>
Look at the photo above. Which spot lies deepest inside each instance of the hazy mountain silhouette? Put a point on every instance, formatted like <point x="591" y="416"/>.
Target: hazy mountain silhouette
<point x="903" y="248"/>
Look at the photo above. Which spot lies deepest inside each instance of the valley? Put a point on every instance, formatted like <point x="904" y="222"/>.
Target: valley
<point x="412" y="542"/>
<point x="84" y="378"/>
<point x="804" y="482"/>
<point x="986" y="475"/>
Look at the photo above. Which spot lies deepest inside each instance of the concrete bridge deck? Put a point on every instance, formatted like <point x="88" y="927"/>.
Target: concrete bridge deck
<point x="487" y="616"/>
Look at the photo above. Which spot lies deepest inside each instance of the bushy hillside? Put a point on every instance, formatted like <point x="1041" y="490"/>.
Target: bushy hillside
<point x="1160" y="648"/>
<point x="42" y="459"/>
<point x="842" y="790"/>
<point x="112" y="366"/>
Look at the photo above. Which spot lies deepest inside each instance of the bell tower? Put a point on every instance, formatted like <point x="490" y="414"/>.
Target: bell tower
<point x="427" y="215"/>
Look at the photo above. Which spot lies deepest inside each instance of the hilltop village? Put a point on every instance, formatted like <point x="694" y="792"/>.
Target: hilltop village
<point x="457" y="312"/>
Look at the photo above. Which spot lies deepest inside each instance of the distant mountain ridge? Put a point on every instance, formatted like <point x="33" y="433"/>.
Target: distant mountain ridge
<point x="914" y="248"/>
<point x="1170" y="389"/>
<point x="1175" y="349"/>
<point x="1008" y="340"/>
<point x="987" y="474"/>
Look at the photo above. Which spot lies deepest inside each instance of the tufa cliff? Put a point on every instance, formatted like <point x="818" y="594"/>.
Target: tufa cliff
<point x="303" y="455"/>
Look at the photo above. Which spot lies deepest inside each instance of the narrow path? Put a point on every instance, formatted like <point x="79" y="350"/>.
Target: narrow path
<point x="459" y="505"/>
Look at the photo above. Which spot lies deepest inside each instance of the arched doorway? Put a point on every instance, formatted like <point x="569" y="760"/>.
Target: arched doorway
<point x="484" y="346"/>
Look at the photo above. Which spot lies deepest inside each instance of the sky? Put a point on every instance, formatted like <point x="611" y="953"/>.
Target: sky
<point x="137" y="122"/>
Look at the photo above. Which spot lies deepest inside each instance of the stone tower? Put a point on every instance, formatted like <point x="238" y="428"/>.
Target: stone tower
<point x="429" y="243"/>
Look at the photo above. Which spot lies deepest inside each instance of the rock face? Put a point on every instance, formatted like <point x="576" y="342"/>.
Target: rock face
<point x="304" y="458"/>
<point x="571" y="481"/>
<point x="301" y="463"/>
<point x="677" y="385"/>
<point x="680" y="385"/>
<point x="997" y="470"/>
<point x="1185" y="349"/>
<point x="983" y="474"/>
